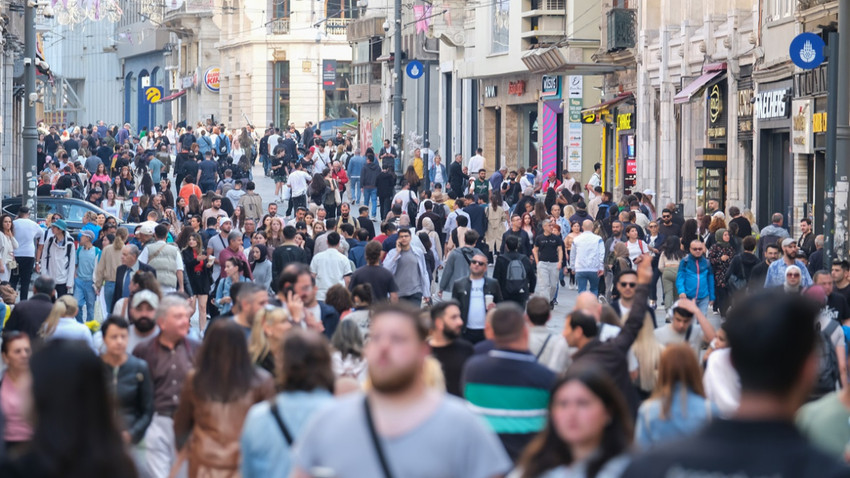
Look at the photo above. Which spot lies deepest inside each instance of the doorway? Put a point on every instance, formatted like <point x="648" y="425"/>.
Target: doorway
<point x="775" y="176"/>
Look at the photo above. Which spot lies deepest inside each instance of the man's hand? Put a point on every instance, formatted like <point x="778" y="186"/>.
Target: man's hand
<point x="688" y="305"/>
<point x="600" y="273"/>
<point x="683" y="296"/>
<point x="644" y="270"/>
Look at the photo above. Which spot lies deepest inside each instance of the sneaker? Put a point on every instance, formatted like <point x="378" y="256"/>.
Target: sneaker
<point x="563" y="283"/>
<point x="602" y="300"/>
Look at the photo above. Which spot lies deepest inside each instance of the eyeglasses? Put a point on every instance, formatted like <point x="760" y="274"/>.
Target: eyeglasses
<point x="628" y="284"/>
<point x="478" y="263"/>
<point x="792" y="274"/>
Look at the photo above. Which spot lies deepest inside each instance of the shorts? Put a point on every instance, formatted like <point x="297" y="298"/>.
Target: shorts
<point x="280" y="178"/>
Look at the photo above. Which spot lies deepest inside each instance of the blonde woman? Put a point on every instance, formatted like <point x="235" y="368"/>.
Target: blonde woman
<point x="62" y="323"/>
<point x="270" y="327"/>
<point x="647" y="350"/>
<point x="752" y="218"/>
<point x="8" y="244"/>
<point x="107" y="266"/>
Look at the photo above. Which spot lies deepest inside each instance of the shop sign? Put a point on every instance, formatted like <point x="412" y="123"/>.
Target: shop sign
<point x="716" y="112"/>
<point x="211" y="79"/>
<point x="329" y="75"/>
<point x="811" y="82"/>
<point x="801" y="127"/>
<point x="516" y="88"/>
<point x="624" y="121"/>
<point x="772" y="104"/>
<point x="819" y="123"/>
<point x="575" y="107"/>
<point x="574" y="148"/>
<point x="490" y="91"/>
<point x="745" y="111"/>
<point x="576" y="86"/>
<point x="551" y="86"/>
<point x="631" y="166"/>
<point x="187" y="82"/>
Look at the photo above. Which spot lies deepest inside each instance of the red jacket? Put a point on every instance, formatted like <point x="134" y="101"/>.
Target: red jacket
<point x="340" y="176"/>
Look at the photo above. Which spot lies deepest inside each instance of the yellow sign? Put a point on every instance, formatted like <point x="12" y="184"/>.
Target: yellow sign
<point x="715" y="104"/>
<point x="153" y="95"/>
<point x="588" y="118"/>
<point x="306" y="66"/>
<point x="819" y="122"/>
<point x="624" y="121"/>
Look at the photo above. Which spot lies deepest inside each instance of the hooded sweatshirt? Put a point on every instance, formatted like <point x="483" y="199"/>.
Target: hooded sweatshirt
<point x="457" y="266"/>
<point x="369" y="174"/>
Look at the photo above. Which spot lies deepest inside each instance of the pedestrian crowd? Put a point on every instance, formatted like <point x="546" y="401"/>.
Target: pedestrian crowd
<point x="194" y="328"/>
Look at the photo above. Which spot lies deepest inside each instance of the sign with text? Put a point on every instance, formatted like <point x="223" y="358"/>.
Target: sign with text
<point x="329" y="75"/>
<point x="624" y="121"/>
<point x="576" y="87"/>
<point x="551" y="86"/>
<point x="772" y="104"/>
<point x="819" y="123"/>
<point x="575" y="106"/>
<point x="516" y="88"/>
<point x="716" y="110"/>
<point x="574" y="148"/>
<point x="801" y="127"/>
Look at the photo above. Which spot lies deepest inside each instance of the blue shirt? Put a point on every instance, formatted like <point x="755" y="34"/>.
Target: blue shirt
<point x="687" y="415"/>
<point x="224" y="291"/>
<point x="86" y="262"/>
<point x="264" y="448"/>
<point x="776" y="274"/>
<point x="155" y="166"/>
<point x="355" y="165"/>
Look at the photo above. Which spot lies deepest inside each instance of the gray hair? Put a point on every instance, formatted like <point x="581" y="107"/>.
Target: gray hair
<point x="133" y="249"/>
<point x="819" y="240"/>
<point x="234" y="236"/>
<point x="169" y="302"/>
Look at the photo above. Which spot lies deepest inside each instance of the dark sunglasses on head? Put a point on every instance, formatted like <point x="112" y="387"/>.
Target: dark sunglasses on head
<point x="628" y="284"/>
<point x="478" y="263"/>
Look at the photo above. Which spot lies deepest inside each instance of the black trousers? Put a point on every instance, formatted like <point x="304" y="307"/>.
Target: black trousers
<point x="23" y="274"/>
<point x="61" y="289"/>
<point x="473" y="335"/>
<point x="386" y="205"/>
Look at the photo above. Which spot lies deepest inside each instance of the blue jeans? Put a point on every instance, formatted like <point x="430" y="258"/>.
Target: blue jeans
<point x="355" y="189"/>
<point x="371" y="195"/>
<point x="264" y="158"/>
<point x="703" y="305"/>
<point x="84" y="293"/>
<point x="587" y="280"/>
<point x="108" y="290"/>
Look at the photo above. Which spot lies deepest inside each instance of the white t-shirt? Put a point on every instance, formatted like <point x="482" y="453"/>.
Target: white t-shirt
<point x="273" y="142"/>
<point x="330" y="267"/>
<point x="477" y="307"/>
<point x="405" y="195"/>
<point x="26" y="233"/>
<point x="298" y="183"/>
<point x="635" y="250"/>
<point x="665" y="336"/>
<point x="475" y="163"/>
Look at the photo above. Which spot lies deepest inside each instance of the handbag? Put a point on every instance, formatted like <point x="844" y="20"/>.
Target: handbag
<point x="12" y="265"/>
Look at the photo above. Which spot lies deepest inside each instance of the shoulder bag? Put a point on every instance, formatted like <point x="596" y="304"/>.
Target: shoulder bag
<point x="376" y="440"/>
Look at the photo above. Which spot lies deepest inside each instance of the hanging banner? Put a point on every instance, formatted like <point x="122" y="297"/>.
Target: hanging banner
<point x="329" y="75"/>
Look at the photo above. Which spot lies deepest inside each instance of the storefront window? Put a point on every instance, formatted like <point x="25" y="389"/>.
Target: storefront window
<point x="281" y="92"/>
<point x="500" y="34"/>
<point x="336" y="101"/>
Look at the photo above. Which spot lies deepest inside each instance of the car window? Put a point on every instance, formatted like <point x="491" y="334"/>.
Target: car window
<point x="45" y="209"/>
<point x="13" y="209"/>
<point x="75" y="213"/>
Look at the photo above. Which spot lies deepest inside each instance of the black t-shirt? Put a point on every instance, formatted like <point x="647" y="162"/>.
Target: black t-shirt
<point x="452" y="357"/>
<point x="744" y="227"/>
<point x="381" y="280"/>
<point x="738" y="448"/>
<point x="836" y="308"/>
<point x="190" y="168"/>
<point x="547" y="247"/>
<point x="845" y="292"/>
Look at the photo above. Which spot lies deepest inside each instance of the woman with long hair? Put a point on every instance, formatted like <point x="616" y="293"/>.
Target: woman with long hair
<point x="496" y="216"/>
<point x="637" y="248"/>
<point x="690" y="233"/>
<point x="167" y="194"/>
<point x="62" y="323"/>
<point x="16" y="350"/>
<point x="677" y="407"/>
<point x="647" y="351"/>
<point x="215" y="399"/>
<point x="130" y="380"/>
<point x="347" y="356"/>
<point x="317" y="189"/>
<point x="588" y="430"/>
<point x="100" y="175"/>
<point x="234" y="271"/>
<point x="261" y="266"/>
<point x="748" y="214"/>
<point x="540" y="215"/>
<point x="412" y="179"/>
<point x="704" y="225"/>
<point x="715" y="225"/>
<point x="720" y="256"/>
<point x="198" y="268"/>
<point x="111" y="205"/>
<point x="668" y="264"/>
<point x="195" y="207"/>
<point x="8" y="244"/>
<point x="575" y="231"/>
<point x="237" y="219"/>
<point x="275" y="233"/>
<point x="75" y="435"/>
<point x="306" y="384"/>
<point x="528" y="226"/>
<point x="271" y="324"/>
<point x="107" y="266"/>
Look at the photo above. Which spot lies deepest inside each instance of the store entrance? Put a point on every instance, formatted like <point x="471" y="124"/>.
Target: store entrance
<point x="529" y="145"/>
<point x="776" y="181"/>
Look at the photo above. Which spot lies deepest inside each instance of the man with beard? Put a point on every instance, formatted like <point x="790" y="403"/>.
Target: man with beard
<point x="399" y="404"/>
<point x="776" y="271"/>
<point x="668" y="228"/>
<point x="142" y="324"/>
<point x="446" y="345"/>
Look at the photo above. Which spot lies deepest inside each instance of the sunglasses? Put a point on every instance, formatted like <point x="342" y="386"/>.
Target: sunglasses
<point x="478" y="263"/>
<point x="793" y="274"/>
<point x="628" y="284"/>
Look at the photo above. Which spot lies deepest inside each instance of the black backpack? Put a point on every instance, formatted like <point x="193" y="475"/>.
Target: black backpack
<point x="412" y="207"/>
<point x="516" y="278"/>
<point x="828" y="371"/>
<point x="222" y="146"/>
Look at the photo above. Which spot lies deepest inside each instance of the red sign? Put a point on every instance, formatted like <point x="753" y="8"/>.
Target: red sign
<point x="516" y="88"/>
<point x="631" y="166"/>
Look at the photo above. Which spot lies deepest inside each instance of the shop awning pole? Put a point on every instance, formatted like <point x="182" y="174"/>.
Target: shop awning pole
<point x="831" y="137"/>
<point x="604" y="153"/>
<point x="616" y="153"/>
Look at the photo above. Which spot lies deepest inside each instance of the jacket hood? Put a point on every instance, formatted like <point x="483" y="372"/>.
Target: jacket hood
<point x="372" y="166"/>
<point x="749" y="259"/>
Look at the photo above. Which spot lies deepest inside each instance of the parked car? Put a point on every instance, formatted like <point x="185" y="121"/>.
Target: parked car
<point x="72" y="210"/>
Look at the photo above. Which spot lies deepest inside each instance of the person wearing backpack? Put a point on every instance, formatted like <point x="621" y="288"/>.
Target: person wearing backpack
<point x="222" y="144"/>
<point x="587" y="258"/>
<point x="58" y="260"/>
<point x="515" y="273"/>
<point x="831" y="351"/>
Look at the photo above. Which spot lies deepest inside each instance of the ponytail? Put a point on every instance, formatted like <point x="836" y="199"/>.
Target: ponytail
<point x="65" y="306"/>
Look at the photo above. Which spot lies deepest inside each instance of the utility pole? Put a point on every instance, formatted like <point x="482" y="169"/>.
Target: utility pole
<point x="842" y="135"/>
<point x="30" y="132"/>
<point x="398" y="76"/>
<point x="831" y="147"/>
<point x="426" y="140"/>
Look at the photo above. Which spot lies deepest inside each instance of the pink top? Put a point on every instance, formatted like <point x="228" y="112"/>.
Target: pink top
<point x="100" y="178"/>
<point x="12" y="404"/>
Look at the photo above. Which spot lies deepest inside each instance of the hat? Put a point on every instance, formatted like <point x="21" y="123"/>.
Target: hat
<point x="88" y="233"/>
<point x="60" y="224"/>
<point x="719" y="214"/>
<point x="147" y="228"/>
<point x="581" y="205"/>
<point x="437" y="197"/>
<point x="145" y="296"/>
<point x="551" y="174"/>
<point x="224" y="220"/>
<point x="312" y="149"/>
<point x="787" y="242"/>
<point x="649" y="192"/>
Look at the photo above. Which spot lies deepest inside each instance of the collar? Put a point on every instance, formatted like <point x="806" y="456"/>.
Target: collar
<point x="522" y="356"/>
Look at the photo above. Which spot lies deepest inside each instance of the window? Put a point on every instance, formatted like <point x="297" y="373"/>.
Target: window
<point x="779" y="9"/>
<point x="336" y="101"/>
<point x="342" y="9"/>
<point x="500" y="35"/>
<point x="282" y="8"/>
<point x="281" y="92"/>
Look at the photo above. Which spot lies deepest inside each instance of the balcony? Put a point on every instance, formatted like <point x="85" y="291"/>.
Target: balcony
<point x="622" y="29"/>
<point x="279" y="26"/>
<point x="337" y="26"/>
<point x="545" y="7"/>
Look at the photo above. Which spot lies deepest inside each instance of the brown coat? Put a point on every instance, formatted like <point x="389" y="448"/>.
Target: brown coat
<point x="213" y="428"/>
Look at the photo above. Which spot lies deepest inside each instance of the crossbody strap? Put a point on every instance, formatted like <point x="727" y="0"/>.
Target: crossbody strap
<point x="375" y="440"/>
<point x="545" y="343"/>
<point x="279" y="420"/>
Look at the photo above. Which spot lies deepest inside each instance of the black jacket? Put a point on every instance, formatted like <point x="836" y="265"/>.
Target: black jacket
<point x="369" y="174"/>
<point x="132" y="388"/>
<point x="477" y="221"/>
<point x="119" y="280"/>
<point x="500" y="271"/>
<point x="386" y="185"/>
<point x="462" y="288"/>
<point x="284" y="255"/>
<point x="611" y="355"/>
<point x="456" y="179"/>
<point x="28" y="315"/>
<point x="807" y="244"/>
<point x="742" y="266"/>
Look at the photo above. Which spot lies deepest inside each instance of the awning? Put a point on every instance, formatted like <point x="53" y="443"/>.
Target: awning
<point x="695" y="87"/>
<point x="173" y="96"/>
<point x="608" y="104"/>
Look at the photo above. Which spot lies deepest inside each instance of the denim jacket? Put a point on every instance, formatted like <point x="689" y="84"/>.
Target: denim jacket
<point x="686" y="417"/>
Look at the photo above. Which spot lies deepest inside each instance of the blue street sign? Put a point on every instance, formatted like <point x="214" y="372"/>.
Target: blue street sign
<point x="415" y="69"/>
<point x="806" y="50"/>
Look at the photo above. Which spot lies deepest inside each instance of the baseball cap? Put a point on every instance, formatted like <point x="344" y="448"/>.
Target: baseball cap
<point x="649" y="192"/>
<point x="787" y="241"/>
<point x="312" y="149"/>
<point x="147" y="228"/>
<point x="88" y="233"/>
<point x="145" y="296"/>
<point x="224" y="220"/>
